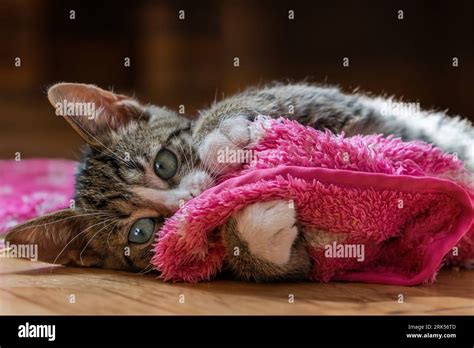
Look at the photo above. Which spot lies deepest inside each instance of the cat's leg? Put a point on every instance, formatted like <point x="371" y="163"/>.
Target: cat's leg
<point x="269" y="229"/>
<point x="263" y="243"/>
<point x="328" y="108"/>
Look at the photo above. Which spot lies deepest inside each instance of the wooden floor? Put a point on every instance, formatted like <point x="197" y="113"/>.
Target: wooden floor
<point x="36" y="288"/>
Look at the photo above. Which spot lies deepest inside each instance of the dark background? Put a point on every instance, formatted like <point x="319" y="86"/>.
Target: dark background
<point x="190" y="61"/>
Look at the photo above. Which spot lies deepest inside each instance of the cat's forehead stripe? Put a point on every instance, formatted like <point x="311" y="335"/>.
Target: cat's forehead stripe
<point x="178" y="132"/>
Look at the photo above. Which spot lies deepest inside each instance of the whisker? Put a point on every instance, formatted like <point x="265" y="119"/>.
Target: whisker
<point x="108" y="236"/>
<point x="111" y="153"/>
<point x="188" y="164"/>
<point x="145" y="270"/>
<point x="74" y="238"/>
<point x="5" y="250"/>
<point x="59" y="220"/>
<point x="90" y="240"/>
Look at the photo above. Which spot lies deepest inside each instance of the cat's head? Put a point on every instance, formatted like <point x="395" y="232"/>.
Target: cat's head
<point x="138" y="167"/>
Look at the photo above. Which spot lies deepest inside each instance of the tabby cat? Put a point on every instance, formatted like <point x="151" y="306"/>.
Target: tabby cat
<point x="141" y="162"/>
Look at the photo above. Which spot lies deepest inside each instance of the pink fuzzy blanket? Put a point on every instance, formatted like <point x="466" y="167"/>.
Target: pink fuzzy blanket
<point x="406" y="205"/>
<point x="33" y="187"/>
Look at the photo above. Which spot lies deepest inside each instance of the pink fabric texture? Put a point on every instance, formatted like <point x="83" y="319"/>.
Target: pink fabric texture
<point x="33" y="187"/>
<point x="407" y="203"/>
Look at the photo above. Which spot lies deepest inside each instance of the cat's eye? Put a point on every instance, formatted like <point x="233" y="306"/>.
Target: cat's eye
<point x="141" y="231"/>
<point x="166" y="164"/>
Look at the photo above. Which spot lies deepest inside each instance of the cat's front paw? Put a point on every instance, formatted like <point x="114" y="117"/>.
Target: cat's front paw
<point x="225" y="148"/>
<point x="269" y="229"/>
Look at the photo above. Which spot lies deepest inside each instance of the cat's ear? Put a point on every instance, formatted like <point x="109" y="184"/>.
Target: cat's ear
<point x="54" y="238"/>
<point x="92" y="111"/>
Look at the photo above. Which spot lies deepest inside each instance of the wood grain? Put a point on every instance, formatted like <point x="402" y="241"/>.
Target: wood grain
<point x="36" y="288"/>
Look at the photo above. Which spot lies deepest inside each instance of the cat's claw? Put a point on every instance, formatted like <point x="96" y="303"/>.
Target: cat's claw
<point x="269" y="230"/>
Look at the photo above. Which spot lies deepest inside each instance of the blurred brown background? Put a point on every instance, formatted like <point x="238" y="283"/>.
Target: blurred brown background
<point x="190" y="61"/>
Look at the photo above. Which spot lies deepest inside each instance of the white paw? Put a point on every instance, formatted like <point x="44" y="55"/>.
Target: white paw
<point x="225" y="148"/>
<point x="269" y="230"/>
<point x="191" y="185"/>
<point x="196" y="182"/>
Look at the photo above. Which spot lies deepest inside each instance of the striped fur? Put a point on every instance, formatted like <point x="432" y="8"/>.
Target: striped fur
<point x="116" y="184"/>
